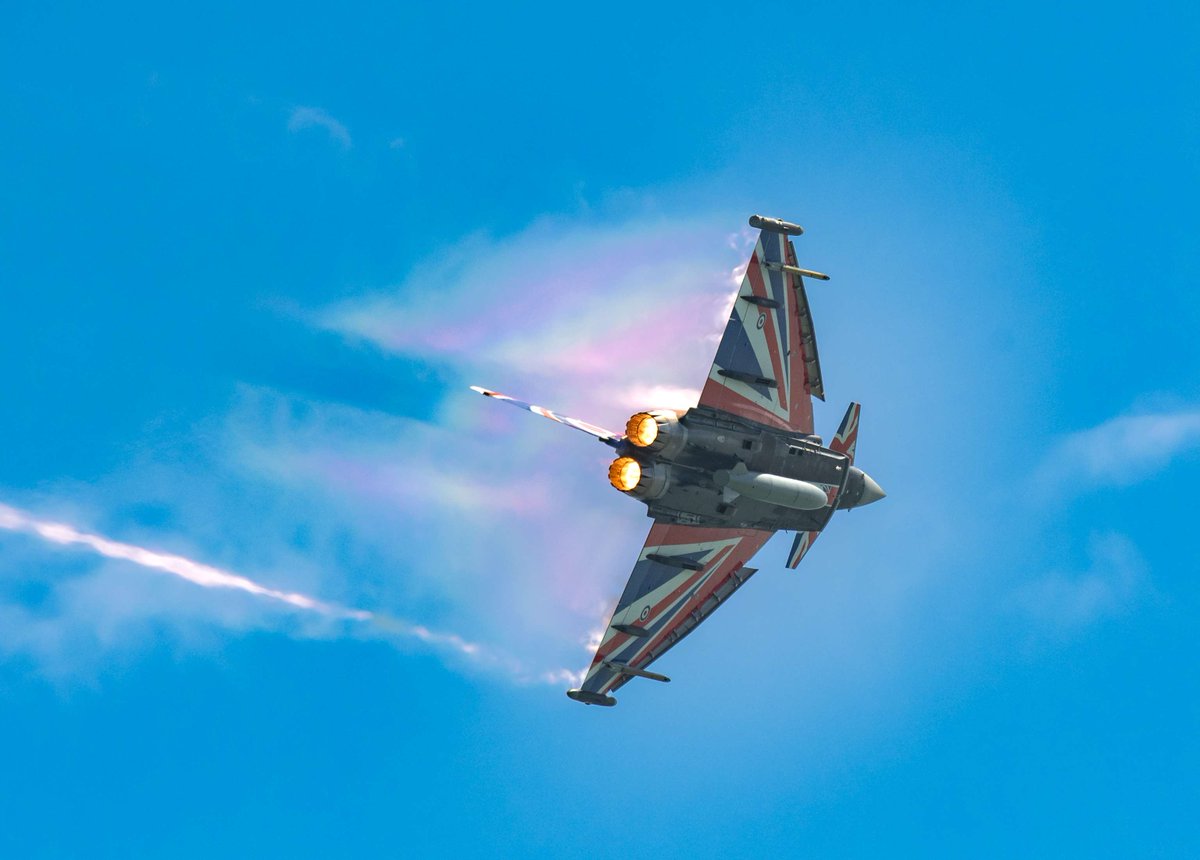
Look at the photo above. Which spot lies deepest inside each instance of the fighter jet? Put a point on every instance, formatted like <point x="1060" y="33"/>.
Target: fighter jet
<point x="722" y="477"/>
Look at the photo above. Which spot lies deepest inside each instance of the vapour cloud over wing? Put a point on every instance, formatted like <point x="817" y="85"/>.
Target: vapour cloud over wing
<point x="594" y="315"/>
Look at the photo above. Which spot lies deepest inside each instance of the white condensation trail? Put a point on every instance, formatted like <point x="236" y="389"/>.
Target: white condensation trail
<point x="207" y="576"/>
<point x="177" y="565"/>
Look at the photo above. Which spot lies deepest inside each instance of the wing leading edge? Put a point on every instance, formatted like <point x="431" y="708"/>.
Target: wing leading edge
<point x="681" y="576"/>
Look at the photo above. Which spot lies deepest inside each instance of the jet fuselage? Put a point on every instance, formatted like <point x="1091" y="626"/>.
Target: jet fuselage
<point x="711" y="468"/>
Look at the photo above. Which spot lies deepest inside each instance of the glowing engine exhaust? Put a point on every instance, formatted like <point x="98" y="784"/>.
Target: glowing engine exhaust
<point x="659" y="432"/>
<point x="642" y="481"/>
<point x="642" y="430"/>
<point x="624" y="473"/>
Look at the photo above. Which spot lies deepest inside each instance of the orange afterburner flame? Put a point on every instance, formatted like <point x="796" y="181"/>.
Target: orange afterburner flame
<point x="642" y="430"/>
<point x="624" y="473"/>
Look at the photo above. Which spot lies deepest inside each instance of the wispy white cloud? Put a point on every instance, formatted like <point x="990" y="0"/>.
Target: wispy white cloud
<point x="1122" y="450"/>
<point x="311" y="117"/>
<point x="1064" y="603"/>
<point x="1119" y="452"/>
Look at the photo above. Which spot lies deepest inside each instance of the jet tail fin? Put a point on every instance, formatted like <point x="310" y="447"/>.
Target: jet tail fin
<point x="847" y="435"/>
<point x="605" y="436"/>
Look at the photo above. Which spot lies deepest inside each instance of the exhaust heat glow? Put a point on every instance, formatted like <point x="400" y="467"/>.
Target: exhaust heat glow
<point x="642" y="429"/>
<point x="624" y="473"/>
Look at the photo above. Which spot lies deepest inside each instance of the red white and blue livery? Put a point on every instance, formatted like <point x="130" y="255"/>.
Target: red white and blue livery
<point x="722" y="477"/>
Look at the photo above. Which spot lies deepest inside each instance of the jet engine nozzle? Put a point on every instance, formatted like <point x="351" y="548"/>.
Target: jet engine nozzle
<point x="642" y="481"/>
<point x="658" y="432"/>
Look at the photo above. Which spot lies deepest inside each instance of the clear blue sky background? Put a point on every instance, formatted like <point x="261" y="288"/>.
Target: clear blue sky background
<point x="250" y="261"/>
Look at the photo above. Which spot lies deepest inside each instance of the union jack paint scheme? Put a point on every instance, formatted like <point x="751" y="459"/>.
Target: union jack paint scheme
<point x="847" y="434"/>
<point x="766" y="366"/>
<point x="719" y="479"/>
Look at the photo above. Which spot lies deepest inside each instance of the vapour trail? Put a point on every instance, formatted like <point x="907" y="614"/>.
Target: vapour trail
<point x="206" y="576"/>
<point x="194" y="572"/>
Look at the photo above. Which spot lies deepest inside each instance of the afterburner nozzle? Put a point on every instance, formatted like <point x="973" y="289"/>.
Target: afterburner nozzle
<point x="641" y="480"/>
<point x="658" y="432"/>
<point x="624" y="473"/>
<point x="641" y="430"/>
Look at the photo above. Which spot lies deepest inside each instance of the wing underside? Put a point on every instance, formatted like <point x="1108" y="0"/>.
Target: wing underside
<point x="606" y="436"/>
<point x="766" y="368"/>
<point x="681" y="576"/>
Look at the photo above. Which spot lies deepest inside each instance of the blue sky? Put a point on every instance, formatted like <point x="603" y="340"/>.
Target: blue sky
<point x="251" y="260"/>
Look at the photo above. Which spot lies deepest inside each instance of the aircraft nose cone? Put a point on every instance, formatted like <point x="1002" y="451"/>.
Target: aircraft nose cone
<point x="872" y="492"/>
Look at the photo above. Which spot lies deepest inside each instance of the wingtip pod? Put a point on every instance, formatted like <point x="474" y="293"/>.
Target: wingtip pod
<point x="775" y="225"/>
<point x="590" y="698"/>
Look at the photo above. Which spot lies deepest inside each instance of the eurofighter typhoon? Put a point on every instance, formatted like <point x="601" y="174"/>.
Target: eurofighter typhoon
<point x="722" y="477"/>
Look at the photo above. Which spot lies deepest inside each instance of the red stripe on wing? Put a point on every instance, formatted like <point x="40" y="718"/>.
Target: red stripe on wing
<point x="750" y="543"/>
